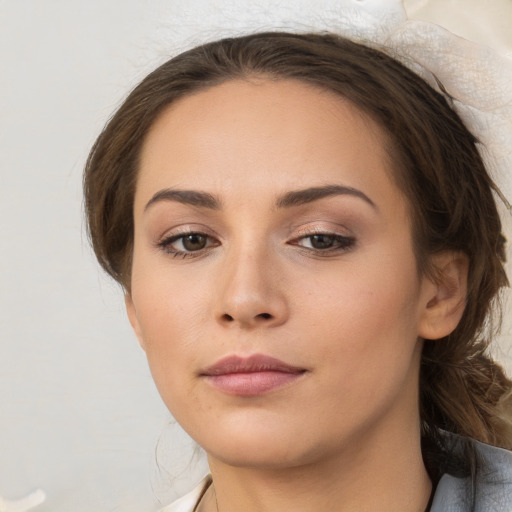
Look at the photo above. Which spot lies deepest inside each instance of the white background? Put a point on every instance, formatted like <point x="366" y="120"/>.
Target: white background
<point x="79" y="415"/>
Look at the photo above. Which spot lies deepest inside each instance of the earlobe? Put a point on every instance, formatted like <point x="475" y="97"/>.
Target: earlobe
<point x="132" y="317"/>
<point x="445" y="295"/>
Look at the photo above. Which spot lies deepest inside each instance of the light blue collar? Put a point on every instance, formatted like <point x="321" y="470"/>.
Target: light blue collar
<point x="488" y="490"/>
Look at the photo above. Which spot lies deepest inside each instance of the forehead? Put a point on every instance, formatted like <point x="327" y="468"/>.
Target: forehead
<point x="248" y="103"/>
<point x="261" y="133"/>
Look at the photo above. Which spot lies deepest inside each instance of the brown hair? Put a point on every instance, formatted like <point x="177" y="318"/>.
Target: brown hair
<point x="437" y="164"/>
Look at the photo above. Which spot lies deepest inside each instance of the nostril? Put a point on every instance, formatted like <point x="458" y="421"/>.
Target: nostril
<point x="227" y="318"/>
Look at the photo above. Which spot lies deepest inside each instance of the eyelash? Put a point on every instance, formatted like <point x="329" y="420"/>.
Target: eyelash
<point x="343" y="244"/>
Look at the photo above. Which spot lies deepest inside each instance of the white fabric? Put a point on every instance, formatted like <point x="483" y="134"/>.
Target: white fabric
<point x="32" y="500"/>
<point x="477" y="78"/>
<point x="361" y="19"/>
<point x="190" y="501"/>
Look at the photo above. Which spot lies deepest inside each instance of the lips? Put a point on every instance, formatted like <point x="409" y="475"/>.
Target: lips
<point x="251" y="376"/>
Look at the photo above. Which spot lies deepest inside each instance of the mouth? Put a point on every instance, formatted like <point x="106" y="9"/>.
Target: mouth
<point x="251" y="376"/>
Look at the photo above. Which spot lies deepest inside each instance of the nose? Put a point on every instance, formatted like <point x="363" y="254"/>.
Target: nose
<point x="251" y="292"/>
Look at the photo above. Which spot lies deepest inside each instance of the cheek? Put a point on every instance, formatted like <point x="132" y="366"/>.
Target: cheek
<point x="170" y="314"/>
<point x="365" y="353"/>
<point x="170" y="325"/>
<point x="364" y="318"/>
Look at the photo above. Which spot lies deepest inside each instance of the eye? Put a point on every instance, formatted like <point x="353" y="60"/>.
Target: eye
<point x="321" y="241"/>
<point x="186" y="244"/>
<point x="194" y="242"/>
<point x="326" y="242"/>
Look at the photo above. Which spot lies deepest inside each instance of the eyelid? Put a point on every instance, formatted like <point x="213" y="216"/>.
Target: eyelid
<point x="186" y="229"/>
<point x="322" y="230"/>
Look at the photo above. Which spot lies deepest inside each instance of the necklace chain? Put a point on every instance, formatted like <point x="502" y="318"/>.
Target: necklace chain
<point x="215" y="496"/>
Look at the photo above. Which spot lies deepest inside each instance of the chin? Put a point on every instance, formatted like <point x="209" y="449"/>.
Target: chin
<point x="267" y="456"/>
<point x="260" y="446"/>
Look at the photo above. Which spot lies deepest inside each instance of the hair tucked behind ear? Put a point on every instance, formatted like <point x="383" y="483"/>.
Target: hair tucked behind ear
<point x="436" y="164"/>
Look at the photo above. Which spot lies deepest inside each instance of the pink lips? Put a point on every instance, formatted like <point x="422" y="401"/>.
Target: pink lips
<point x="251" y="376"/>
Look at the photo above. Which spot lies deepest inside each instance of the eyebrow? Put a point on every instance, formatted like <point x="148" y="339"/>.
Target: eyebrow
<point x="287" y="200"/>
<point x="190" y="197"/>
<point x="308" y="195"/>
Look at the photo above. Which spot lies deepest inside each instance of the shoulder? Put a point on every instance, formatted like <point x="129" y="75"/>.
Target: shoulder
<point x="189" y="502"/>
<point x="487" y="489"/>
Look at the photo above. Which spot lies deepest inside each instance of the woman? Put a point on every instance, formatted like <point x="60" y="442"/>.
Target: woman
<point x="309" y="247"/>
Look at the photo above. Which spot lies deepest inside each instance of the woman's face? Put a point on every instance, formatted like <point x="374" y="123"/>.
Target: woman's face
<point x="274" y="284"/>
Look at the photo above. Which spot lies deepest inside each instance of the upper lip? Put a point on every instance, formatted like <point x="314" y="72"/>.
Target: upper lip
<point x="251" y="364"/>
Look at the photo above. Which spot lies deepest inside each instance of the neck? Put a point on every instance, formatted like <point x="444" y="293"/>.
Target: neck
<point x="381" y="474"/>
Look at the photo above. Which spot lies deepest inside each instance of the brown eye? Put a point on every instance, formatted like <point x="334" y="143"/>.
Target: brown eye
<point x="322" y="241"/>
<point x="194" y="242"/>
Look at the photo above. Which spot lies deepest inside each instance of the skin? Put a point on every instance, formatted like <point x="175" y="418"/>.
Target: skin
<point x="353" y="318"/>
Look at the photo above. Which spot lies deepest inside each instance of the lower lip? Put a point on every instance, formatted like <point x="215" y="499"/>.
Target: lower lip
<point x="252" y="384"/>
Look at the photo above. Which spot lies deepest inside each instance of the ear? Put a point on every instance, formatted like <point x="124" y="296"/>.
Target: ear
<point x="444" y="295"/>
<point x="133" y="318"/>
